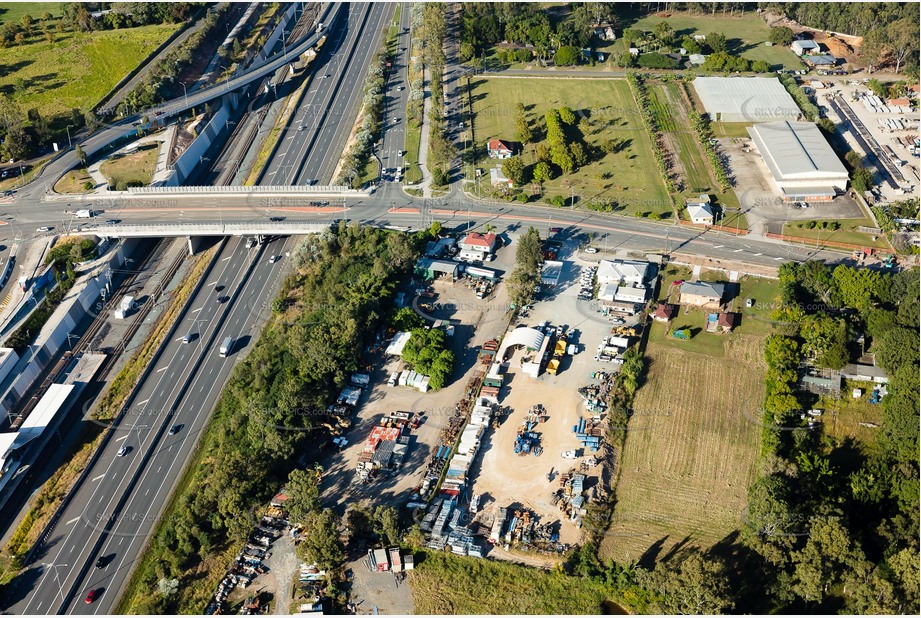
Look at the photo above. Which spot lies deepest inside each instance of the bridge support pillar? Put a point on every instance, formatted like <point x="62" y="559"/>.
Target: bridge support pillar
<point x="194" y="243"/>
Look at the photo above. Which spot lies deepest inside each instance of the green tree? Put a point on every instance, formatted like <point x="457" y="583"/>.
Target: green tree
<point x="698" y="585"/>
<point x="303" y="489"/>
<point x="514" y="169"/>
<point x="716" y="41"/>
<point x="567" y="55"/>
<point x="857" y="288"/>
<point x="828" y="553"/>
<point x="523" y="132"/>
<point x="321" y="543"/>
<point x="387" y="525"/>
<point x="81" y="155"/>
<point x="542" y="172"/>
<point x="567" y="116"/>
<point x="781" y="35"/>
<point x="862" y="179"/>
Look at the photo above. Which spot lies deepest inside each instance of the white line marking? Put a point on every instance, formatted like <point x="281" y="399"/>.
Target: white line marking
<point x="777" y="258"/>
<point x="143" y="402"/>
<point x="99" y="477"/>
<point x="738" y="250"/>
<point x="72" y="521"/>
<point x="120" y="439"/>
<point x="162" y="369"/>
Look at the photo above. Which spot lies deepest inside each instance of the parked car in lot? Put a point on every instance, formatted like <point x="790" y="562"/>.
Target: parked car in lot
<point x="591" y="250"/>
<point x="750" y="303"/>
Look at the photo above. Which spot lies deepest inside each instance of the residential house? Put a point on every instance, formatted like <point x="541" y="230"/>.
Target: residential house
<point x="497" y="149"/>
<point x="634" y="51"/>
<point x="664" y="312"/>
<point x="727" y="321"/>
<point x="478" y="242"/>
<point x="864" y="373"/>
<point x="699" y="210"/>
<point x="801" y="47"/>
<point x="627" y="294"/>
<point x="498" y="179"/>
<point x="820" y="60"/>
<point x="702" y="294"/>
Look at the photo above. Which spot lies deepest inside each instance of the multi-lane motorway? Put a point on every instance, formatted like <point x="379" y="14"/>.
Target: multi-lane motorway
<point x="396" y="95"/>
<point x="325" y="116"/>
<point x="116" y="508"/>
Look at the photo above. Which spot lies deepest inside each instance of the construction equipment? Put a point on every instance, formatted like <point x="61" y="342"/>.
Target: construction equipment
<point x="553" y="366"/>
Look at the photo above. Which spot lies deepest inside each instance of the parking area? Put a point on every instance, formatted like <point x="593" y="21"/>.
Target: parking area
<point x="760" y="200"/>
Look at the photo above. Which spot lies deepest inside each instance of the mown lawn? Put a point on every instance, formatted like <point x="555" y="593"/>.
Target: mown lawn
<point x="447" y="584"/>
<point x="847" y="232"/>
<point x="12" y="12"/>
<point x="72" y="182"/>
<point x="629" y="177"/>
<point x="137" y="167"/>
<point x="77" y="69"/>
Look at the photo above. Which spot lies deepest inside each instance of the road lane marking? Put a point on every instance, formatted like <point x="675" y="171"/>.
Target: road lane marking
<point x="778" y="258"/>
<point x="162" y="369"/>
<point x="74" y="519"/>
<point x="143" y="402"/>
<point x="738" y="250"/>
<point x="120" y="439"/>
<point x="99" y="477"/>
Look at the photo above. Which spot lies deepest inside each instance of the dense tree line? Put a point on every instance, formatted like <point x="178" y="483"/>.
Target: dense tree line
<point x="334" y="303"/>
<point x="529" y="256"/>
<point x="487" y="23"/>
<point x="890" y="29"/>
<point x="834" y="524"/>
<point x="427" y="353"/>
<point x="161" y="81"/>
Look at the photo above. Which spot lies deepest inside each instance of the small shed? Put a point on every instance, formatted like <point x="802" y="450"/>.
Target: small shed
<point x="664" y="312"/>
<point x="379" y="560"/>
<point x="408" y="562"/>
<point x="727" y="321"/>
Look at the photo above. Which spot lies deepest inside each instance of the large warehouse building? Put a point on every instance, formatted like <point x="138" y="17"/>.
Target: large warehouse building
<point x="745" y="99"/>
<point x="802" y="163"/>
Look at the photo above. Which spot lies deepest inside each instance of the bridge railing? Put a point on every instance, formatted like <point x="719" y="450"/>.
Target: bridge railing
<point x="244" y="190"/>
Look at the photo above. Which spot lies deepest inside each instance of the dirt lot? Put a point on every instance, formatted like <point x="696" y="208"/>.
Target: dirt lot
<point x="504" y="478"/>
<point x="691" y="454"/>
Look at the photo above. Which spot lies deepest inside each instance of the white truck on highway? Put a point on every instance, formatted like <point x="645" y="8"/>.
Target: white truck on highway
<point x="226" y="347"/>
<point x="84" y="214"/>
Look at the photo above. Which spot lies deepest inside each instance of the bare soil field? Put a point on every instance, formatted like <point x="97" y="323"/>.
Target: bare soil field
<point x="691" y="452"/>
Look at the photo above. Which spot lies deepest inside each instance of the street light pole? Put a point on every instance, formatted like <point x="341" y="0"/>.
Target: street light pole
<point x="56" y="578"/>
<point x="67" y="128"/>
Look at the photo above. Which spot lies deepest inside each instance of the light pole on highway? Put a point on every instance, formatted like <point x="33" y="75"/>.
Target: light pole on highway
<point x="67" y="128"/>
<point x="56" y="578"/>
<point x="185" y="94"/>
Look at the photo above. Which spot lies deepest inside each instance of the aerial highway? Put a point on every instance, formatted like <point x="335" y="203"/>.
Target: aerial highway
<point x="115" y="509"/>
<point x="101" y="138"/>
<point x="396" y="95"/>
<point x="316" y="135"/>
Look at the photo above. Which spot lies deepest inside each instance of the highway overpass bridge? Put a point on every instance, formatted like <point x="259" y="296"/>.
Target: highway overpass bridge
<point x="103" y="137"/>
<point x="163" y="230"/>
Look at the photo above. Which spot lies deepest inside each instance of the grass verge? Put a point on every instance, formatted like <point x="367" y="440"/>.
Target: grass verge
<point x="133" y="168"/>
<point x="447" y="584"/>
<point x="73" y="181"/>
<point x="847" y="232"/>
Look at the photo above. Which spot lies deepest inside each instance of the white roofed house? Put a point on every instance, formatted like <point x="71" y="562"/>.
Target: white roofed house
<point x="801" y="162"/>
<point x="624" y="271"/>
<point x="699" y="210"/>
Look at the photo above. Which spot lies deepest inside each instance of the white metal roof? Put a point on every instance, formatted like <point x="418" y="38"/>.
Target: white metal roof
<point x="702" y="288"/>
<point x="750" y="98"/>
<point x="796" y="151"/>
<point x="526" y="337"/>
<point x="699" y="210"/>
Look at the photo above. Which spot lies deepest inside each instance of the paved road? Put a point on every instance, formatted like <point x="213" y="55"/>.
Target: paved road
<point x="311" y="143"/>
<point x="396" y="95"/>
<point x="118" y="505"/>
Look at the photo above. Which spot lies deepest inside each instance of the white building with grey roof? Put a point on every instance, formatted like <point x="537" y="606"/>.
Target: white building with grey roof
<point x="745" y="99"/>
<point x="801" y="162"/>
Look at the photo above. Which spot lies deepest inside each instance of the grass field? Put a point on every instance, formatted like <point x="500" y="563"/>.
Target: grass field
<point x="843" y="416"/>
<point x="745" y="33"/>
<point x="77" y="69"/>
<point x="411" y="158"/>
<point x="12" y="12"/>
<point x="447" y="584"/>
<point x="847" y="232"/>
<point x="730" y="129"/>
<point x="691" y="448"/>
<point x="629" y="177"/>
<point x="137" y="166"/>
<point x="72" y="182"/>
